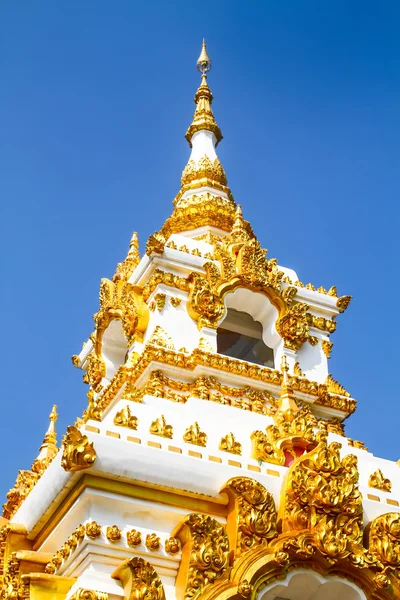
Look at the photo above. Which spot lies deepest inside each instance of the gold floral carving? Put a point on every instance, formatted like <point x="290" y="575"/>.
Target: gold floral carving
<point x="229" y="444"/>
<point x="293" y="326"/>
<point x="313" y="340"/>
<point x="123" y="301"/>
<point x="194" y="435"/>
<point x="251" y="514"/>
<point x="321" y="494"/>
<point x="152" y="541"/>
<point x="175" y="301"/>
<point x="291" y="428"/>
<point x="93" y="530"/>
<point x="124" y="418"/>
<point x="343" y="302"/>
<point x="155" y="244"/>
<point x="113" y="533"/>
<point x="161" y="428"/>
<point x="160" y="337"/>
<point x="83" y="594"/>
<point x="205" y="555"/>
<point x="356" y="444"/>
<point x="245" y="588"/>
<point x="378" y="481"/>
<point x="384" y="542"/>
<point x="134" y="538"/>
<point x="204" y="169"/>
<point x="172" y="545"/>
<point x="139" y="579"/>
<point x="16" y="495"/>
<point x="335" y="388"/>
<point x="95" y="371"/>
<point x="327" y="348"/>
<point x="297" y="370"/>
<point x="321" y="323"/>
<point x="205" y="306"/>
<point x="160" y="300"/>
<point x="78" y="452"/>
<point x="66" y="549"/>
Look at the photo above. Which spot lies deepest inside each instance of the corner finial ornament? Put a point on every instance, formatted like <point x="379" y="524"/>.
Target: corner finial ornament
<point x="204" y="63"/>
<point x="78" y="452"/>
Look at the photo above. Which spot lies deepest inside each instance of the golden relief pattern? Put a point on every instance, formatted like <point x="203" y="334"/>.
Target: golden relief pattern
<point x="194" y="435"/>
<point x="321" y="494"/>
<point x="378" y="481"/>
<point x="229" y="444"/>
<point x="205" y="555"/>
<point x="139" y="579"/>
<point x="160" y="337"/>
<point x="321" y="394"/>
<point x="78" y="452"/>
<point x="204" y="169"/>
<point x="161" y="428"/>
<point x="124" y="418"/>
<point x="252" y="515"/>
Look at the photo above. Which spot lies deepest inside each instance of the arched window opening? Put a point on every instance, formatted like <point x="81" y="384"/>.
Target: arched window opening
<point x="241" y="337"/>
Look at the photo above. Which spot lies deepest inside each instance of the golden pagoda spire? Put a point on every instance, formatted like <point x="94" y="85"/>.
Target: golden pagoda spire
<point x="125" y="268"/>
<point x="287" y="400"/>
<point x="48" y="449"/>
<point x="203" y="118"/>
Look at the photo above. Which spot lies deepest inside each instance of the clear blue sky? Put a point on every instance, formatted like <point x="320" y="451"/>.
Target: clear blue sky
<point x="96" y="98"/>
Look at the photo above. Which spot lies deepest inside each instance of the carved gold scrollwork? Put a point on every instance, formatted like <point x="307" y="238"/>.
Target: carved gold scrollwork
<point x="194" y="435"/>
<point x="205" y="555"/>
<point x="123" y="301"/>
<point x="321" y="494"/>
<point x="384" y="541"/>
<point x="205" y="306"/>
<point x="124" y="418"/>
<point x="378" y="481"/>
<point x="229" y="444"/>
<point x="78" y="452"/>
<point x="293" y="326"/>
<point x="251" y="514"/>
<point x="140" y="580"/>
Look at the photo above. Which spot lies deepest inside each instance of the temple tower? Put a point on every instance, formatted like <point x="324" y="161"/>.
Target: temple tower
<point x="211" y="459"/>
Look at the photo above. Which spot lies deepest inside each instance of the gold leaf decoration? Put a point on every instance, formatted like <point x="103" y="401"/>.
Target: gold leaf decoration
<point x="229" y="444"/>
<point x="84" y="594"/>
<point x="293" y="326"/>
<point x="378" y="481"/>
<point x="161" y="428"/>
<point x="160" y="337"/>
<point x="194" y="435"/>
<point x="124" y="418"/>
<point x="78" y="452"/>
<point x="322" y="495"/>
<point x="93" y="530"/>
<point x="252" y="522"/>
<point x="139" y="579"/>
<point x="152" y="541"/>
<point x="206" y="545"/>
<point x="134" y="538"/>
<point x="327" y="348"/>
<point x="113" y="533"/>
<point x="172" y="545"/>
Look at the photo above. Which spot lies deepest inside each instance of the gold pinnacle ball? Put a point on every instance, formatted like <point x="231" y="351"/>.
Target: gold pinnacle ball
<point x="203" y="62"/>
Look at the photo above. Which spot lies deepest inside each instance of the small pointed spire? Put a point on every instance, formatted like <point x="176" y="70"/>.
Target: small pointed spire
<point x="203" y="118"/>
<point x="125" y="268"/>
<point x="48" y="449"/>
<point x="287" y="398"/>
<point x="204" y="63"/>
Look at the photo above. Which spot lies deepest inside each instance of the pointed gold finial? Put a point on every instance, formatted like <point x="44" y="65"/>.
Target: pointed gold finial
<point x="287" y="400"/>
<point x="51" y="434"/>
<point x="203" y="115"/>
<point x="204" y="63"/>
<point x="48" y="449"/>
<point x="125" y="268"/>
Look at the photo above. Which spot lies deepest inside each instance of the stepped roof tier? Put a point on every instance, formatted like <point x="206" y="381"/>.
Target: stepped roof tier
<point x="210" y="460"/>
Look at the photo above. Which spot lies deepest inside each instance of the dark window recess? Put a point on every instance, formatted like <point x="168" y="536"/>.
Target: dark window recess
<point x="241" y="337"/>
